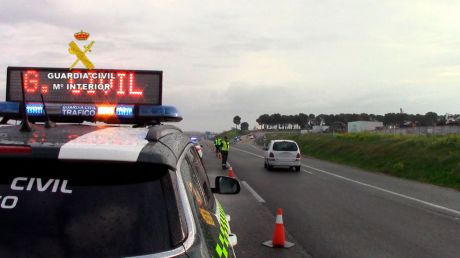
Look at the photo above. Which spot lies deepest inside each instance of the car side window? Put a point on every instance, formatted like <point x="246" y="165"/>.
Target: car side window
<point x="201" y="176"/>
<point x="192" y="184"/>
<point x="208" y="222"/>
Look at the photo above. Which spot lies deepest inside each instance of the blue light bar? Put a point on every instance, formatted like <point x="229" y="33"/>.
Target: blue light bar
<point x="194" y="139"/>
<point x="129" y="114"/>
<point x="35" y="109"/>
<point x="124" y="111"/>
<point x="164" y="113"/>
<point x="9" y="107"/>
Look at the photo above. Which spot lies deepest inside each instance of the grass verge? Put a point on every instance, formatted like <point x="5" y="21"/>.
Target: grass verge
<point x="429" y="159"/>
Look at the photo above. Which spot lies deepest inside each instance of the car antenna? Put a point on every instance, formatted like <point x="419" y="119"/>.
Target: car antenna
<point x="25" y="124"/>
<point x="48" y="123"/>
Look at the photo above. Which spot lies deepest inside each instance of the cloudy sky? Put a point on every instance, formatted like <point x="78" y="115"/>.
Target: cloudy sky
<point x="225" y="58"/>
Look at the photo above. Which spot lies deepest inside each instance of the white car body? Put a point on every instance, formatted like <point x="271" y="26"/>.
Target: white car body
<point x="282" y="153"/>
<point x="199" y="149"/>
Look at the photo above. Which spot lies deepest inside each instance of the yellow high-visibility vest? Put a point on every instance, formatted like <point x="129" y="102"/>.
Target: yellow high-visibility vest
<point x="225" y="145"/>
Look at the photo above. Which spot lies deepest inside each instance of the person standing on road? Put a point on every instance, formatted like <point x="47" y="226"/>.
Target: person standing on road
<point x="217" y="145"/>
<point x="225" y="147"/>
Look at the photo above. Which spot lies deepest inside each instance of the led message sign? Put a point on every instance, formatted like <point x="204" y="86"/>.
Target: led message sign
<point x="59" y="85"/>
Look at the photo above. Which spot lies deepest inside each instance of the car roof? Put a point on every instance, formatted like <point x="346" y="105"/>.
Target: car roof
<point x="160" y="144"/>
<point x="284" y="141"/>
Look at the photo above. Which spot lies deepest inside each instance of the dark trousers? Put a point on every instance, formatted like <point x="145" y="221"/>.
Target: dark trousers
<point x="224" y="158"/>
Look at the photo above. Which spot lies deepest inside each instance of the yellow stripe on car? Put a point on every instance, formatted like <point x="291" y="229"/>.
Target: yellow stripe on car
<point x="222" y="244"/>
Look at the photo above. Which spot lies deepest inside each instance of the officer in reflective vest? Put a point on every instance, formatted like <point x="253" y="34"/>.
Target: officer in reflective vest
<point x="215" y="145"/>
<point x="225" y="147"/>
<point x="218" y="144"/>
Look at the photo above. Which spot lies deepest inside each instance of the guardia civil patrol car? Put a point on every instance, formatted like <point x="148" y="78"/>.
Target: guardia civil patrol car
<point x="92" y="173"/>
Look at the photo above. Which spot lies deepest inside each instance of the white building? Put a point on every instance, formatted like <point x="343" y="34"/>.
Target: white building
<point x="319" y="128"/>
<point x="362" y="126"/>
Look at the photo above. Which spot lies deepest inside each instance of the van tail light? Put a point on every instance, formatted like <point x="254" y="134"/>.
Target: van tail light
<point x="298" y="156"/>
<point x="12" y="149"/>
<point x="271" y="156"/>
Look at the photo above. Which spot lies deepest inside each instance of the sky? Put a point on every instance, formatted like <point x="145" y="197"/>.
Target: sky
<point x="226" y="58"/>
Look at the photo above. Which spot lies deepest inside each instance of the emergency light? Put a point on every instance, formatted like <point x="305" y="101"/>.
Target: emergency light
<point x="108" y="95"/>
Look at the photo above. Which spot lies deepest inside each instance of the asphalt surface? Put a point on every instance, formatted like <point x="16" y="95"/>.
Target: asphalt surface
<point x="251" y="221"/>
<point x="332" y="210"/>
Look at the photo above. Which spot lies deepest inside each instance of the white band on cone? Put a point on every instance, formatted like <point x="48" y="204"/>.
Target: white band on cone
<point x="279" y="219"/>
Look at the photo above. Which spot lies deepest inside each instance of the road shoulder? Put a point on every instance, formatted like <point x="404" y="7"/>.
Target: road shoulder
<point x="251" y="221"/>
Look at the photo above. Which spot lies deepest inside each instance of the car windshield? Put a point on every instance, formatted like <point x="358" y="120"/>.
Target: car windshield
<point x="284" y="146"/>
<point x="84" y="209"/>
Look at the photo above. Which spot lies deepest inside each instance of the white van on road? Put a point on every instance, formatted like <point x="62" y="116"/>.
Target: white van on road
<point x="282" y="153"/>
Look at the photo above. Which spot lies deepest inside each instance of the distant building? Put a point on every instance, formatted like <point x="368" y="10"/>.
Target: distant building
<point x="363" y="126"/>
<point x="319" y="128"/>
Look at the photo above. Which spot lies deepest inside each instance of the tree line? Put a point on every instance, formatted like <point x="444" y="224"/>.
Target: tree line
<point x="307" y="121"/>
<point x="237" y="121"/>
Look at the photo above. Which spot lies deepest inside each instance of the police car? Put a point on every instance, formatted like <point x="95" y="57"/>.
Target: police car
<point x="79" y="189"/>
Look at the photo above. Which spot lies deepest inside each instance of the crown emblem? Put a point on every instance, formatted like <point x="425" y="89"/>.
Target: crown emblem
<point x="81" y="35"/>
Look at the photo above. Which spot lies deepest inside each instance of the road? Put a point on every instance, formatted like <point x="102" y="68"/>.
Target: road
<point x="332" y="210"/>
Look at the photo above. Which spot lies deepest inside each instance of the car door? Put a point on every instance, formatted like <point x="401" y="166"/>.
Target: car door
<point x="210" y="242"/>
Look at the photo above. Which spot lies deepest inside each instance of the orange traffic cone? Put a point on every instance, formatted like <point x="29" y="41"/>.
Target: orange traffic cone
<point x="279" y="239"/>
<point x="230" y="172"/>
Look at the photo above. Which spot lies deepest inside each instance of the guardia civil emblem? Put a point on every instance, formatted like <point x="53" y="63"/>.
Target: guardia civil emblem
<point x="74" y="49"/>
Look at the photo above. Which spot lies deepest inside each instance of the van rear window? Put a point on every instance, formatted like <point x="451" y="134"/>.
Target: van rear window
<point x="284" y="146"/>
<point x="51" y="208"/>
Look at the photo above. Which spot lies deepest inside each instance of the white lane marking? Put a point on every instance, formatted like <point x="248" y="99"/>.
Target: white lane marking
<point x="255" y="147"/>
<point x="373" y="187"/>
<point x="387" y="191"/>
<point x="258" y="156"/>
<point x="253" y="192"/>
<point x="308" y="172"/>
<point x="113" y="143"/>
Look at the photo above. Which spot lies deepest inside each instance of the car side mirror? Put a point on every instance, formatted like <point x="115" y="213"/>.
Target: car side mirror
<point x="226" y="185"/>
